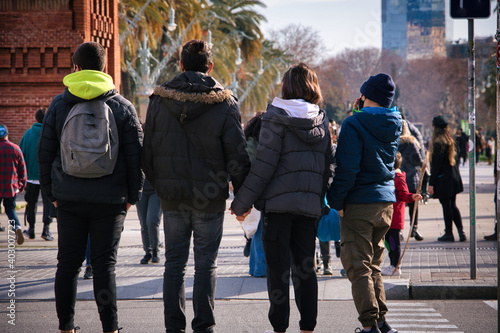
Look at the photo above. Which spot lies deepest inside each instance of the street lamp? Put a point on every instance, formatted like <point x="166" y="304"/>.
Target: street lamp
<point x="261" y="67"/>
<point x="238" y="60"/>
<point x="171" y="23"/>
<point x="278" y="78"/>
<point x="209" y="38"/>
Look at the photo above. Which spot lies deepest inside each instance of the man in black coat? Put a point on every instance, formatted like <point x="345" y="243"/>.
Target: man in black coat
<point x="90" y="206"/>
<point x="193" y="143"/>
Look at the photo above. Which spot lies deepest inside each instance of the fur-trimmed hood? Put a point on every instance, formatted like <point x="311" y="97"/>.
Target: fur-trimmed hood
<point x="190" y="94"/>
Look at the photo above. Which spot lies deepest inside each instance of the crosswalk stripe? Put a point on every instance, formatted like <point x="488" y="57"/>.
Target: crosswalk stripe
<point x="396" y="314"/>
<point x="427" y="320"/>
<point x="427" y="332"/>
<point x="424" y="326"/>
<point x="418" y="310"/>
<point x="393" y="304"/>
<point x="493" y="304"/>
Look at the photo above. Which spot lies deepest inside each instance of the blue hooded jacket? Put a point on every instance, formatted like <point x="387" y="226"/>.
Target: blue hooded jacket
<point x="366" y="150"/>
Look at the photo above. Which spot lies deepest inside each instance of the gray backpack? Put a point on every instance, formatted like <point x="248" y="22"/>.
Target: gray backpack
<point x="89" y="140"/>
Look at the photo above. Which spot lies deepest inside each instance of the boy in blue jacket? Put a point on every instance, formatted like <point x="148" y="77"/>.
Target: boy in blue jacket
<point x="363" y="192"/>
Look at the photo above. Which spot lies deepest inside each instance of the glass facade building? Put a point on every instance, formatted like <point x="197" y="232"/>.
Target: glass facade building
<point x="414" y="28"/>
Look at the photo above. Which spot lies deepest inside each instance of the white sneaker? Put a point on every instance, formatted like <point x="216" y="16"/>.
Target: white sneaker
<point x="389" y="270"/>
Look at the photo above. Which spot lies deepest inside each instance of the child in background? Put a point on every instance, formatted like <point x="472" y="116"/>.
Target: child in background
<point x="392" y="238"/>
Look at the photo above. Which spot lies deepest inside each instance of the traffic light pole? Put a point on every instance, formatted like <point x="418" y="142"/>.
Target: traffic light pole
<point x="497" y="155"/>
<point x="472" y="151"/>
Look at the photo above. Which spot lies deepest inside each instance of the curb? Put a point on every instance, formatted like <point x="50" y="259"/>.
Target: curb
<point x="446" y="292"/>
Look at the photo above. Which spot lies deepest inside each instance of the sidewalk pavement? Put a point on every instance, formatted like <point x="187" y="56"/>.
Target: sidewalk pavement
<point x="430" y="269"/>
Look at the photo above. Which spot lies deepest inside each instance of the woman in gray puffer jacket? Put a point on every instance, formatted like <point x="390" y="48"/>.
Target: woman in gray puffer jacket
<point x="287" y="182"/>
<point x="412" y="161"/>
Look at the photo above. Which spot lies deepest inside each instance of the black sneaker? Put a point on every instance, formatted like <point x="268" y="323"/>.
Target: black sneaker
<point x="492" y="237"/>
<point x="246" y="249"/>
<point x="386" y="328"/>
<point x="89" y="274"/>
<point x="29" y="233"/>
<point x="446" y="238"/>
<point x="47" y="236"/>
<point x="154" y="258"/>
<point x="146" y="259"/>
<point x="373" y="330"/>
<point x="463" y="238"/>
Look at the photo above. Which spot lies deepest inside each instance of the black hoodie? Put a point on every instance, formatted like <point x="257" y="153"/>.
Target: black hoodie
<point x="193" y="143"/>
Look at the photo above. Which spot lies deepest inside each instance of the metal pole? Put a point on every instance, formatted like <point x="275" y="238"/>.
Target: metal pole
<point x="472" y="151"/>
<point x="497" y="155"/>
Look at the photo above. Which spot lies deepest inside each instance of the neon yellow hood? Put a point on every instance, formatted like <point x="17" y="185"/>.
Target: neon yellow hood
<point x="88" y="84"/>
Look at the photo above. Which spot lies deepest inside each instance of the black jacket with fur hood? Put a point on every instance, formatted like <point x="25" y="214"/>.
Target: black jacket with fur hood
<point x="194" y="144"/>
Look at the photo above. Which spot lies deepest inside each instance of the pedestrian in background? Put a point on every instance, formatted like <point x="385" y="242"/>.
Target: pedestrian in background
<point x="257" y="260"/>
<point x="90" y="205"/>
<point x="392" y="237"/>
<point x="445" y="181"/>
<point x="12" y="179"/>
<point x="193" y="143"/>
<point x="412" y="160"/>
<point x="149" y="213"/>
<point x="462" y="141"/>
<point x="490" y="149"/>
<point x="28" y="145"/>
<point x="287" y="182"/>
<point x="363" y="193"/>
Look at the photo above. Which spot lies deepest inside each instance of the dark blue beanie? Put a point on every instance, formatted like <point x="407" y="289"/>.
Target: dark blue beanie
<point x="380" y="89"/>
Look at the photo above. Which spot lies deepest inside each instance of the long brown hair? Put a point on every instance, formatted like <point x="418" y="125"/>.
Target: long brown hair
<point x="443" y="137"/>
<point x="300" y="82"/>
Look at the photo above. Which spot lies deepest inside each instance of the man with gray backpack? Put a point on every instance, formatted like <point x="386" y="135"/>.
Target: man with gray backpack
<point x="89" y="155"/>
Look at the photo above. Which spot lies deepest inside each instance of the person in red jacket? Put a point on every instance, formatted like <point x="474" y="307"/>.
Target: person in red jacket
<point x="392" y="237"/>
<point x="12" y="179"/>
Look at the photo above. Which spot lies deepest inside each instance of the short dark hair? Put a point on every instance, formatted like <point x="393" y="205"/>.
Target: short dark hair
<point x="301" y="82"/>
<point x="196" y="56"/>
<point x="398" y="161"/>
<point x="39" y="115"/>
<point x="90" y="55"/>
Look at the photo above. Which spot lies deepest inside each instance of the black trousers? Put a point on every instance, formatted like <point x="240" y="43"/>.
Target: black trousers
<point x="75" y="223"/>
<point x="411" y="206"/>
<point x="289" y="244"/>
<point x="392" y="238"/>
<point x="451" y="215"/>
<point x="31" y="196"/>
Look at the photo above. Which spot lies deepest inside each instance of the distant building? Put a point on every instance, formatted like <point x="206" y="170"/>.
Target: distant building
<point x="414" y="28"/>
<point x="37" y="39"/>
<point x="485" y="48"/>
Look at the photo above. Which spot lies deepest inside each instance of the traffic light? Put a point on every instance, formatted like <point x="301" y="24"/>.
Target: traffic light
<point x="470" y="9"/>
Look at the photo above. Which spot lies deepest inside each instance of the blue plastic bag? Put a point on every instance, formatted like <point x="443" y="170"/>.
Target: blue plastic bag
<point x="329" y="226"/>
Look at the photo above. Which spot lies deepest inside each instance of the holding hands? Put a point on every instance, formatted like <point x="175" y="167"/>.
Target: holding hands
<point x="242" y="217"/>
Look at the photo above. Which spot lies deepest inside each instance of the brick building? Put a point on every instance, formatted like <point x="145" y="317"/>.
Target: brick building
<point x="37" y="39"/>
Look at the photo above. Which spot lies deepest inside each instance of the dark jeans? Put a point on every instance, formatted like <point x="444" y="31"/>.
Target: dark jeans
<point x="149" y="213"/>
<point x="411" y="206"/>
<point x="451" y="215"/>
<point x="207" y="234"/>
<point x="10" y="210"/>
<point x="289" y="244"/>
<point x="324" y="247"/>
<point x="393" y="240"/>
<point x="31" y="197"/>
<point x="75" y="223"/>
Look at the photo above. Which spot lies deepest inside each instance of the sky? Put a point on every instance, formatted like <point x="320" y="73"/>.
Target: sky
<point x="352" y="23"/>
